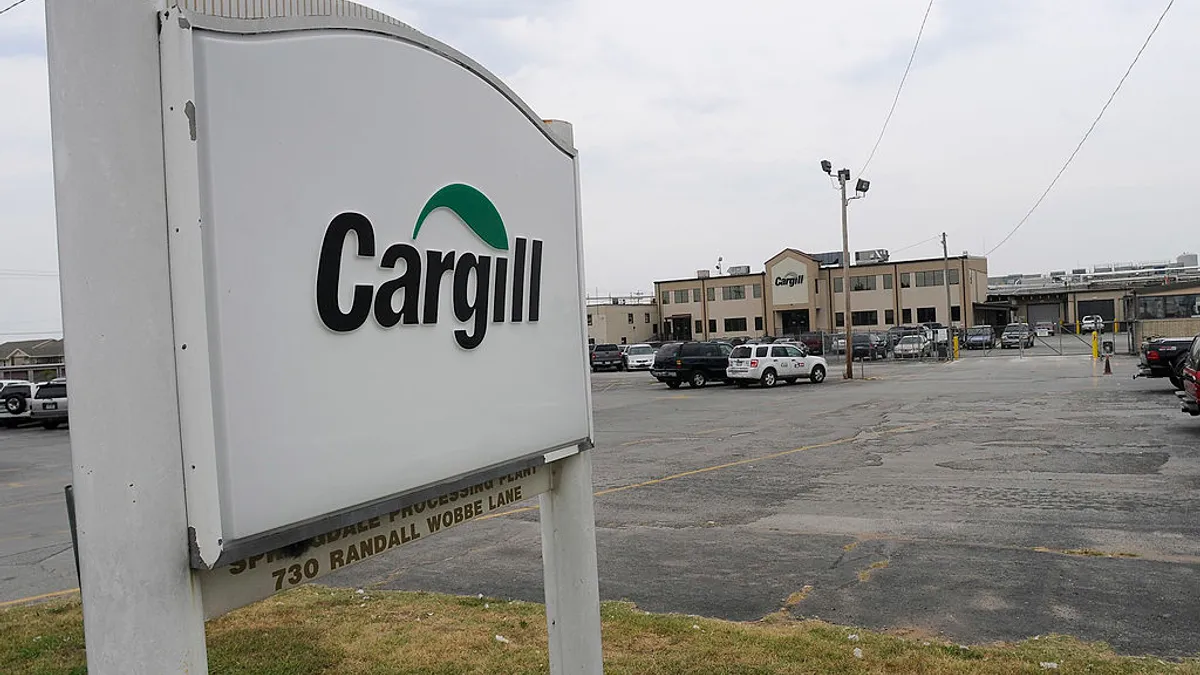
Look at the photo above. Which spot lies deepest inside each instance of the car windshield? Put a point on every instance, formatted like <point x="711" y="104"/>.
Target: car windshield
<point x="741" y="353"/>
<point x="607" y="348"/>
<point x="641" y="350"/>
<point x="1014" y="328"/>
<point x="979" y="331"/>
<point x="910" y="340"/>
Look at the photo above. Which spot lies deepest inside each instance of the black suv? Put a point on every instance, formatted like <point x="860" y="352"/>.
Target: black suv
<point x="696" y="363"/>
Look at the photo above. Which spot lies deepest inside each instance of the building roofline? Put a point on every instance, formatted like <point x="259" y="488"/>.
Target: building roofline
<point x="723" y="276"/>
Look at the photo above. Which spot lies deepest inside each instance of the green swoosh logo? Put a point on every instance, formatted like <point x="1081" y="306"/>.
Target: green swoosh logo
<point x="473" y="208"/>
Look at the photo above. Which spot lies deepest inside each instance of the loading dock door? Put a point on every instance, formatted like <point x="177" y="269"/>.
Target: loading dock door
<point x="1045" y="312"/>
<point x="1105" y="308"/>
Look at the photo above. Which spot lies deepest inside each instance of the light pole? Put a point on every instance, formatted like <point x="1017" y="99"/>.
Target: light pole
<point x="860" y="191"/>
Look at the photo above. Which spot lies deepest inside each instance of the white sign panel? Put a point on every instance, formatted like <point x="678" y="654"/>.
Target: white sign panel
<point x="789" y="279"/>
<point x="376" y="272"/>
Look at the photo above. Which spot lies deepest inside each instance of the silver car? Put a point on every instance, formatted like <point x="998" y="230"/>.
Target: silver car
<point x="49" y="404"/>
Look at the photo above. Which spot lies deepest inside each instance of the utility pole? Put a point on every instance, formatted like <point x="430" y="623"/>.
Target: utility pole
<point x="860" y="190"/>
<point x="949" y="309"/>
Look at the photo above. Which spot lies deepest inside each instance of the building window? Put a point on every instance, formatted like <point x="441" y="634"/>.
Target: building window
<point x="735" y="325"/>
<point x="866" y="318"/>
<point x="647" y="317"/>
<point x="930" y="278"/>
<point x="837" y="284"/>
<point x="733" y="292"/>
<point x="887" y="281"/>
<point x="666" y="297"/>
<point x="589" y="319"/>
<point x="817" y="286"/>
<point x="839" y="320"/>
<point x="906" y="316"/>
<point x="681" y="296"/>
<point x="926" y="314"/>
<point x="695" y="295"/>
<point x="956" y="313"/>
<point x="904" y="280"/>
<point x="630" y="316"/>
<point x="758" y="323"/>
<point x="699" y="326"/>
<point x="889" y="317"/>
<point x="654" y="329"/>
<point x="712" y="325"/>
<point x="865" y="283"/>
<point x="712" y="294"/>
<point x="757" y="288"/>
<point x="1168" y="307"/>
<point x="954" y="276"/>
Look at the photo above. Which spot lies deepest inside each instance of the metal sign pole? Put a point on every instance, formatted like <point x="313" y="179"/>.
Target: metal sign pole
<point x="141" y="608"/>
<point x="570" y="569"/>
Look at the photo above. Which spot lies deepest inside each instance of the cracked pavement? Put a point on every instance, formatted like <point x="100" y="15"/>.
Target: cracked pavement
<point x="990" y="499"/>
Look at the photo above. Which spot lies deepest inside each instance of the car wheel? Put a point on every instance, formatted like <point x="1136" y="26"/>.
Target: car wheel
<point x="15" y="404"/>
<point x="673" y="384"/>
<point x="817" y="375"/>
<point x="698" y="379"/>
<point x="768" y="379"/>
<point x="1177" y="375"/>
<point x="50" y="425"/>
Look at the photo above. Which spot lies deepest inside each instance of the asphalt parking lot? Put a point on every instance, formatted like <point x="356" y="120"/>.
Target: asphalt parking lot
<point x="987" y="499"/>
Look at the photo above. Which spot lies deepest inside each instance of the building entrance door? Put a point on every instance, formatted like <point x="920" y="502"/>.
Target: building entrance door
<point x="680" y="327"/>
<point x="794" y="322"/>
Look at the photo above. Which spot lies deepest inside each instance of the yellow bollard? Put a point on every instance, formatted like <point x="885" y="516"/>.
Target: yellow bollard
<point x="1095" y="345"/>
<point x="955" y="347"/>
<point x="1116" y="326"/>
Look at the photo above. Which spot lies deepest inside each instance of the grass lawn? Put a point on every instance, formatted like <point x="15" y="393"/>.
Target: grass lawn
<point x="322" y="630"/>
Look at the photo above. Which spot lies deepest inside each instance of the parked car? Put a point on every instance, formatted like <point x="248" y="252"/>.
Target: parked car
<point x="1016" y="336"/>
<point x="814" y="343"/>
<point x="14" y="402"/>
<point x="639" y="357"/>
<point x="912" y="347"/>
<point x="1164" y="357"/>
<point x="838" y="343"/>
<point x="49" y="404"/>
<point x="607" y="356"/>
<point x="768" y="364"/>
<point x="1093" y="322"/>
<point x="868" y="346"/>
<point x="981" y="337"/>
<point x="1044" y="328"/>
<point x="696" y="363"/>
<point x="1190" y="396"/>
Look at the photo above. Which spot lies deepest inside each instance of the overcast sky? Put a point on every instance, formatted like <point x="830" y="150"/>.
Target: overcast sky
<point x="701" y="128"/>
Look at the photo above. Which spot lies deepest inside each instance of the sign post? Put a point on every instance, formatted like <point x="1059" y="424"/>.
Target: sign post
<point x="330" y="339"/>
<point x="142" y="612"/>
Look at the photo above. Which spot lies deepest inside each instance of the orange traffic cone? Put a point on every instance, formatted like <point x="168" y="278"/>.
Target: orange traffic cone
<point x="1107" y="366"/>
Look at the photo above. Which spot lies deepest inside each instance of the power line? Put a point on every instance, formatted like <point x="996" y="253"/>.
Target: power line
<point x="899" y="89"/>
<point x="11" y="6"/>
<point x="1089" y="130"/>
<point x="923" y="241"/>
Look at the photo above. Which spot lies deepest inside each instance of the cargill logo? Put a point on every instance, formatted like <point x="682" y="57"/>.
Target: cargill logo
<point x="419" y="285"/>
<point x="790" y="279"/>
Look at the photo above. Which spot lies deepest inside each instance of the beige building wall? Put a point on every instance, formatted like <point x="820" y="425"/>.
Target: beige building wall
<point x="612" y="323"/>
<point x="702" y="303"/>
<point x="784" y="297"/>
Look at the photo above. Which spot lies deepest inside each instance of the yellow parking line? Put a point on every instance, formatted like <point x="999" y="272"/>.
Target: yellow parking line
<point x="717" y="467"/>
<point x="35" y="598"/>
